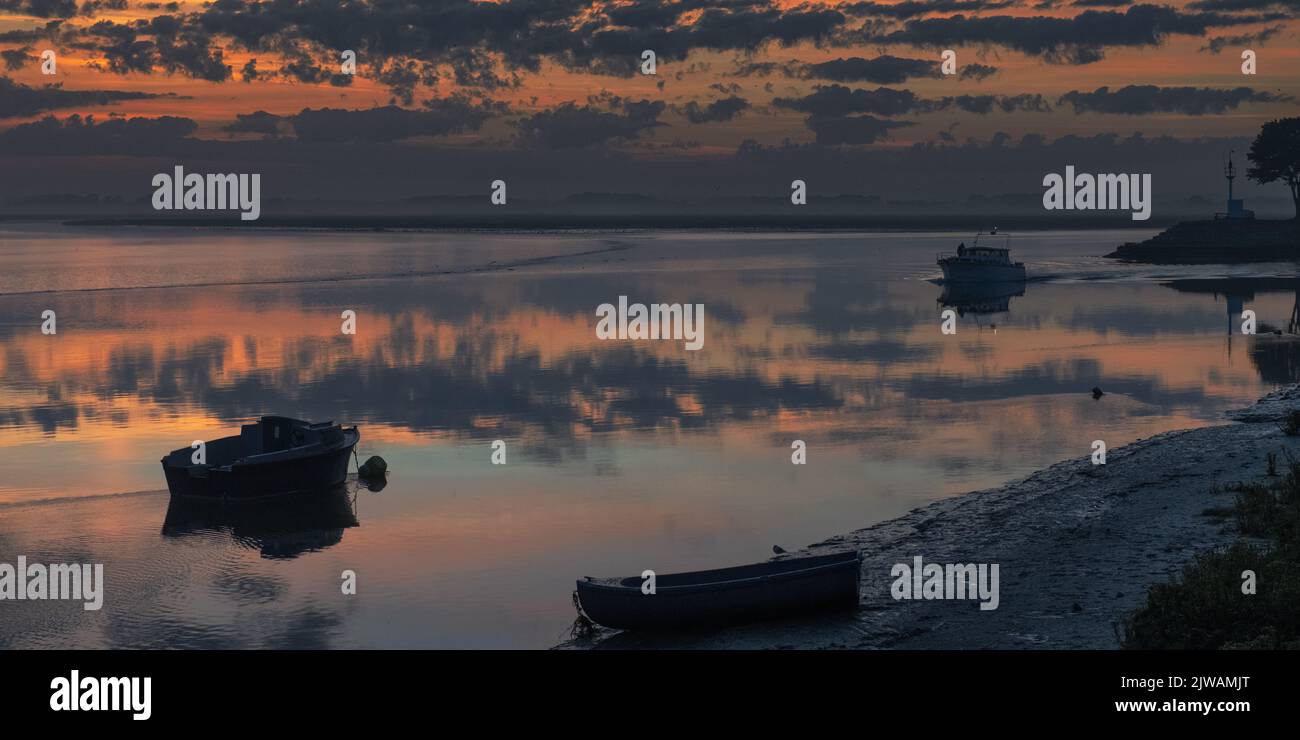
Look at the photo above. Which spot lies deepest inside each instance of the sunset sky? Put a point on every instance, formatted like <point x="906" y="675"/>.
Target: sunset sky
<point x="548" y="95"/>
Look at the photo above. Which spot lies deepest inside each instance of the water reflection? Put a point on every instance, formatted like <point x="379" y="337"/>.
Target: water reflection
<point x="1239" y="291"/>
<point x="621" y="454"/>
<point x="979" y="299"/>
<point x="280" y="528"/>
<point x="1274" y="351"/>
<point x="522" y="367"/>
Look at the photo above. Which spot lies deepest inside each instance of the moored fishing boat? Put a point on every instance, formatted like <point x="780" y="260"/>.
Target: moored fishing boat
<point x="726" y="595"/>
<point x="273" y="456"/>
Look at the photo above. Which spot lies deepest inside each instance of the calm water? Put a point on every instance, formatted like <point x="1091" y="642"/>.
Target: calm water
<point x="621" y="455"/>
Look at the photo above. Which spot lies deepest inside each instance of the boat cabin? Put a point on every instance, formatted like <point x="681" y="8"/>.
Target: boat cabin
<point x="983" y="254"/>
<point x="269" y="435"/>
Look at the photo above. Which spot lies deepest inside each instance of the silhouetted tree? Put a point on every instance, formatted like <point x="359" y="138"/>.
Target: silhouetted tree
<point x="1276" y="156"/>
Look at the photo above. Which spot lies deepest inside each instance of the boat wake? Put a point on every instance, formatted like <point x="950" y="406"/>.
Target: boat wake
<point x="76" y="499"/>
<point x="493" y="266"/>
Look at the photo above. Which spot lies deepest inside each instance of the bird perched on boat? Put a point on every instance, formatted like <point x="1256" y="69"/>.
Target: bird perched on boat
<point x="778" y="549"/>
<point x="1097" y="393"/>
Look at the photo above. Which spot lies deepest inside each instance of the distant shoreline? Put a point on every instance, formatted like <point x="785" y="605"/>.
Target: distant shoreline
<point x="1077" y="545"/>
<point x="1221" y="241"/>
<point x="625" y="223"/>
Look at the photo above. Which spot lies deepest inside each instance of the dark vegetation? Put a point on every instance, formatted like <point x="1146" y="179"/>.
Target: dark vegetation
<point x="1206" y="609"/>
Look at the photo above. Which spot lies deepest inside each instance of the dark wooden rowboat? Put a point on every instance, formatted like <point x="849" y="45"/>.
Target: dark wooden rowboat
<point x="727" y="595"/>
<point x="276" y="455"/>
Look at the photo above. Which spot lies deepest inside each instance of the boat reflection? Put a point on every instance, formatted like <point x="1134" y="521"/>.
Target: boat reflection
<point x="282" y="528"/>
<point x="981" y="298"/>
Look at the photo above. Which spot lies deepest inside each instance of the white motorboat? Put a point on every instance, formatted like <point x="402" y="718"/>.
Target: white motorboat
<point x="982" y="262"/>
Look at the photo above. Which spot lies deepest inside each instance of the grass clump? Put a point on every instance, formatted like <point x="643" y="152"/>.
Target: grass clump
<point x="1206" y="609"/>
<point x="1291" y="423"/>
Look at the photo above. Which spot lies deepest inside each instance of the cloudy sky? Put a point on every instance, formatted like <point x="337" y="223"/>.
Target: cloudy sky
<point x="548" y="95"/>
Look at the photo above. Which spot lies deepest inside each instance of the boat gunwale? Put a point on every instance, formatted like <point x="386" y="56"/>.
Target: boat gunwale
<point x="293" y="453"/>
<point x="303" y="450"/>
<point x="614" y="585"/>
<point x="950" y="259"/>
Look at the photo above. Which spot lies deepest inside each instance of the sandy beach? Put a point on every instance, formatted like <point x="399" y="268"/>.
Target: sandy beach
<point x="1078" y="544"/>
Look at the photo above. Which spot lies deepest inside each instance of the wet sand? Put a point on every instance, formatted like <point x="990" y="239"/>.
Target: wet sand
<point x="1077" y="545"/>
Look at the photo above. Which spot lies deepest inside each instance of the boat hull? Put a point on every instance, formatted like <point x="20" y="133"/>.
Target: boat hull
<point x="726" y="596"/>
<point x="960" y="272"/>
<point x="310" y="471"/>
